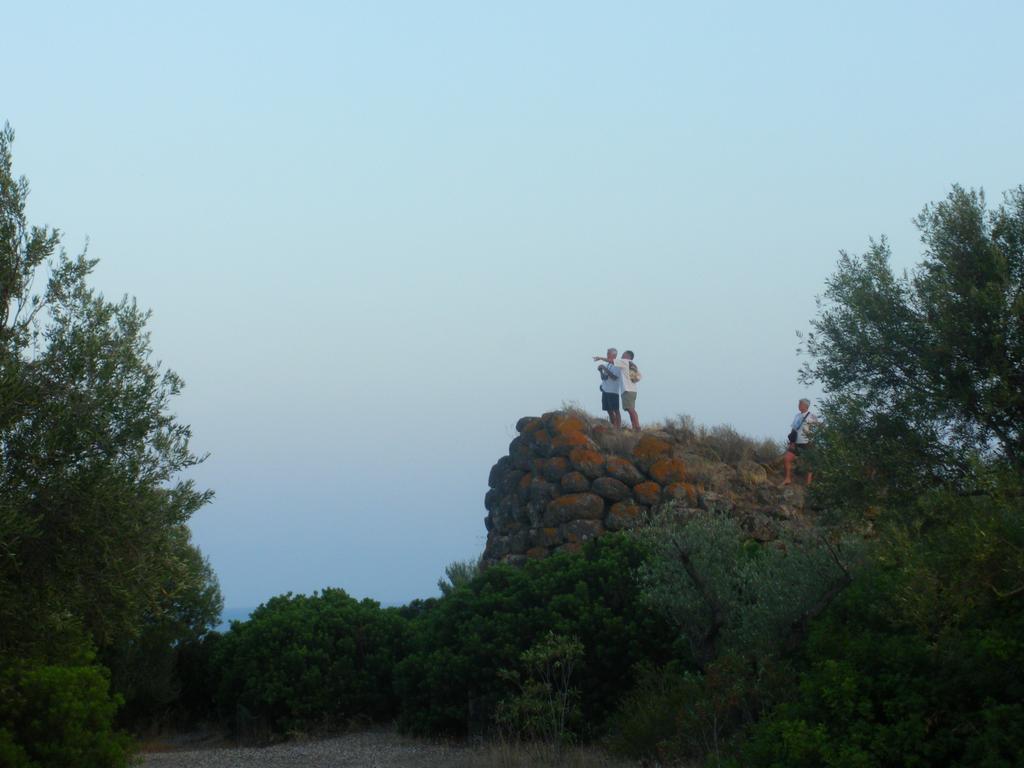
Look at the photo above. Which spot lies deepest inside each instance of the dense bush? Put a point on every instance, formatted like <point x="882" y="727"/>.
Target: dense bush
<point x="729" y="594"/>
<point x="646" y="724"/>
<point x="921" y="662"/>
<point x="58" y="716"/>
<point x="676" y="714"/>
<point x="452" y="680"/>
<point x="303" y="663"/>
<point x="738" y="605"/>
<point x="546" y="706"/>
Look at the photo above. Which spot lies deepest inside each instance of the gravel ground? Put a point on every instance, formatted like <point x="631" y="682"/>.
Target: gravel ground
<point x="371" y="749"/>
<point x="367" y="748"/>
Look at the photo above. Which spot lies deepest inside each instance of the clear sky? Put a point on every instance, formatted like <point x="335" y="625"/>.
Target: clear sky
<point x="374" y="235"/>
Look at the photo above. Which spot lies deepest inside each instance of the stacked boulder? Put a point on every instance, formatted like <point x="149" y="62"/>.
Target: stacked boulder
<point x="568" y="478"/>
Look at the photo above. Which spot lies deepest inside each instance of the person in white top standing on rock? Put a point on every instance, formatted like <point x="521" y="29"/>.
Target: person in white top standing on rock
<point x="799" y="438"/>
<point x="630" y="376"/>
<point x="611" y="386"/>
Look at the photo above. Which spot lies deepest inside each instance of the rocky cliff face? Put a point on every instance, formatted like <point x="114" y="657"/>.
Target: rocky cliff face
<point x="568" y="478"/>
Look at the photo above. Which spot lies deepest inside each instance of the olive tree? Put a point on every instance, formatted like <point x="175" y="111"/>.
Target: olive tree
<point x="924" y="371"/>
<point x="93" y="506"/>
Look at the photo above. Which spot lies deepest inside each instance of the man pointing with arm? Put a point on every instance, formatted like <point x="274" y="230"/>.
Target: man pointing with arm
<point x="611" y="386"/>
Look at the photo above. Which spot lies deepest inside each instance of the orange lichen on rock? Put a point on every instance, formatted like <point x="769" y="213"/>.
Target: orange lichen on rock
<point x="546" y="537"/>
<point x="623" y="470"/>
<point x="578" y="531"/>
<point x="587" y="461"/>
<point x="573" y="506"/>
<point x="541" y="491"/>
<point x="554" y="468"/>
<point x="681" y="491"/>
<point x="648" y="493"/>
<point x="563" y="442"/>
<point x="574" y="482"/>
<point x="563" y="423"/>
<point x="623" y="514"/>
<point x="523" y="486"/>
<point x="650" y="449"/>
<point x="667" y="471"/>
<point x="611" y="489"/>
<point x="569" y="477"/>
<point x="539" y="441"/>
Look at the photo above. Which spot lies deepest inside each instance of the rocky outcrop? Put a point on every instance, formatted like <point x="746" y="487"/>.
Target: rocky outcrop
<point x="568" y="478"/>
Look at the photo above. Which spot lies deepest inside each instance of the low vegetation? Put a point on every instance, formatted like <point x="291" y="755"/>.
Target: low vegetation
<point x="722" y="443"/>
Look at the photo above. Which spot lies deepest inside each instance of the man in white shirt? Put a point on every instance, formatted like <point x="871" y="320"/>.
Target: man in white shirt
<point x="799" y="438"/>
<point x="611" y="386"/>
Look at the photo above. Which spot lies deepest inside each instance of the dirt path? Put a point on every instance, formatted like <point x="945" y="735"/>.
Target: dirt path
<point x="370" y="749"/>
<point x="367" y="748"/>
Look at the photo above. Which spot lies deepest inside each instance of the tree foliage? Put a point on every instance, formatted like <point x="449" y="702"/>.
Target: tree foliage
<point x="918" y="663"/>
<point x="95" y="555"/>
<point x="147" y="668"/>
<point x="924" y="372"/>
<point x="92" y="507"/>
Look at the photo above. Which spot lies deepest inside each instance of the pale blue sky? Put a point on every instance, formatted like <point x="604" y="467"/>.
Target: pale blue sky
<point x="374" y="235"/>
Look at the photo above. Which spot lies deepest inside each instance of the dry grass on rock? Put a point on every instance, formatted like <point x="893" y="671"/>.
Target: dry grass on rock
<point x="718" y="444"/>
<point x="721" y="443"/>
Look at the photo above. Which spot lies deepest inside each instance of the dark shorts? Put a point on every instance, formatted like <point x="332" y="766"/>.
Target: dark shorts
<point x="609" y="401"/>
<point x="802" y="451"/>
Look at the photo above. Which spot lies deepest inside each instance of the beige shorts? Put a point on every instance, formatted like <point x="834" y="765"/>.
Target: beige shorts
<point x="628" y="401"/>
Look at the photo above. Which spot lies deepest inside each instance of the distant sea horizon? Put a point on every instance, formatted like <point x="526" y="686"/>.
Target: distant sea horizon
<point x="233" y="614"/>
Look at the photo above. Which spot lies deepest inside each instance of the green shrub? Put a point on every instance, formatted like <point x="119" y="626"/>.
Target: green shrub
<point x="197" y="677"/>
<point x="675" y="714"/>
<point x="307" y="663"/>
<point x="457" y="573"/>
<point x="546" y="707"/>
<point x="12" y="755"/>
<point x="729" y="594"/>
<point x="921" y="661"/>
<point x="738" y="605"/>
<point x="451" y="683"/>
<point x="55" y="717"/>
<point x="646" y="724"/>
